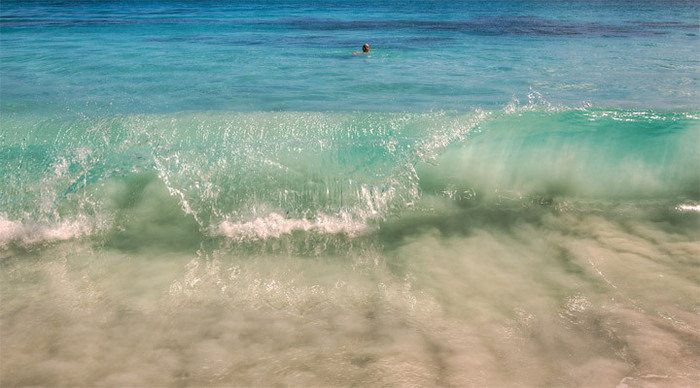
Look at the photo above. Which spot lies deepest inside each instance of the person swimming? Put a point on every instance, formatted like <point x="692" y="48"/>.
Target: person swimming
<point x="365" y="50"/>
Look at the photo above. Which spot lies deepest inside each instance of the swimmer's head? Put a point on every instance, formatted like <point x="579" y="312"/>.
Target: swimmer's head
<point x="365" y="48"/>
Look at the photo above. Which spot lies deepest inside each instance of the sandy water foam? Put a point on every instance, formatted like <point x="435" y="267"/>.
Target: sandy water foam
<point x="551" y="299"/>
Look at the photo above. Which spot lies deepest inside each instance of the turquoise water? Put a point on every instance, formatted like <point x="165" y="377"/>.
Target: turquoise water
<point x="294" y="56"/>
<point x="203" y="193"/>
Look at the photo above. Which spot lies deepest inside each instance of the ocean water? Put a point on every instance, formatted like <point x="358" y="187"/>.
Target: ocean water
<point x="503" y="193"/>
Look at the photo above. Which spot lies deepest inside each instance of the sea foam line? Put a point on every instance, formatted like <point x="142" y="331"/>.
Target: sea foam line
<point x="28" y="234"/>
<point x="688" y="207"/>
<point x="275" y="225"/>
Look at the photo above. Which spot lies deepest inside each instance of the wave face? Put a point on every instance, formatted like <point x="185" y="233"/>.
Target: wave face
<point x="253" y="175"/>
<point x="396" y="247"/>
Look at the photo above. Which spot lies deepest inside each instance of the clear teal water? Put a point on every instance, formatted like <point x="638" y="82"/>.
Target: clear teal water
<point x="210" y="193"/>
<point x="295" y="56"/>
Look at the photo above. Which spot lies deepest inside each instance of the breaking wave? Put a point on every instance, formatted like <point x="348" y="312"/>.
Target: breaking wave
<point x="256" y="176"/>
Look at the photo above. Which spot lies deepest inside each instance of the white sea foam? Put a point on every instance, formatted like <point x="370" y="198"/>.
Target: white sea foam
<point x="688" y="208"/>
<point x="28" y="234"/>
<point x="275" y="225"/>
<point x="374" y="204"/>
<point x="9" y="230"/>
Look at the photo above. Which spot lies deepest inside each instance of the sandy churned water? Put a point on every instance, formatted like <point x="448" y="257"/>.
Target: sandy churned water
<point x="559" y="300"/>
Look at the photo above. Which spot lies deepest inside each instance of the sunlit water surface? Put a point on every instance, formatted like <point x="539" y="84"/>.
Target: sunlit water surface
<point x="214" y="194"/>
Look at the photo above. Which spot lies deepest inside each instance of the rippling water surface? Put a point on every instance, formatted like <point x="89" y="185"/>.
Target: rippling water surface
<point x="215" y="194"/>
